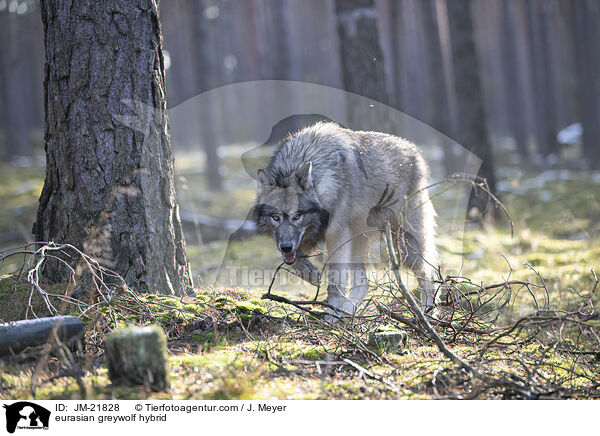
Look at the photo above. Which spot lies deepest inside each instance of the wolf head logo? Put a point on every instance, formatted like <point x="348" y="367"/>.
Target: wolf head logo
<point x="288" y="208"/>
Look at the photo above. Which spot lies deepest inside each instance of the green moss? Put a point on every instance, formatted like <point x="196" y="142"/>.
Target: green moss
<point x="202" y="299"/>
<point x="223" y="300"/>
<point x="313" y="353"/>
<point x="204" y="337"/>
<point x="172" y="302"/>
<point x="197" y="309"/>
<point x="288" y="350"/>
<point x="14" y="294"/>
<point x="248" y="308"/>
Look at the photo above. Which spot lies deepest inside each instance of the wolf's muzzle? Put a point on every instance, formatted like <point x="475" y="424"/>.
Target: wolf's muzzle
<point x="288" y="252"/>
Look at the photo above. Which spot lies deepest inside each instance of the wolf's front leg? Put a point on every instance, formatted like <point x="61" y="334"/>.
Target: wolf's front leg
<point x="359" y="285"/>
<point x="428" y="297"/>
<point x="339" y="251"/>
<point x="336" y="297"/>
<point x="306" y="270"/>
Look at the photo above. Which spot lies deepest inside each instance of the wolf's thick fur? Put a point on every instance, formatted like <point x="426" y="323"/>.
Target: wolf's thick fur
<point x="327" y="183"/>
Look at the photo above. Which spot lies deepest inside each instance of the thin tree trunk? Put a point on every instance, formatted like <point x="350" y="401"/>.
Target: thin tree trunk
<point x="446" y="51"/>
<point x="541" y="55"/>
<point x="396" y="50"/>
<point x="362" y="58"/>
<point x="17" y="91"/>
<point x="416" y="82"/>
<point x="512" y="85"/>
<point x="472" y="129"/>
<point x="525" y="69"/>
<point x="204" y="68"/>
<point x="438" y="105"/>
<point x="3" y="87"/>
<point x="437" y="100"/>
<point x="586" y="20"/>
<point x="37" y="68"/>
<point x="109" y="189"/>
<point x="281" y="42"/>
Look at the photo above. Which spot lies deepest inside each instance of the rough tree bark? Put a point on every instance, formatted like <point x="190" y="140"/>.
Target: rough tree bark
<point x="471" y="129"/>
<point x="109" y="188"/>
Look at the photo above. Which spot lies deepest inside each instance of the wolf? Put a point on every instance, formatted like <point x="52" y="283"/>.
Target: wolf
<point x="326" y="183"/>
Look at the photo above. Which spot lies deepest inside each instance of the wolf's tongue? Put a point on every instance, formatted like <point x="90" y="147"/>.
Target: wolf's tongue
<point x="289" y="257"/>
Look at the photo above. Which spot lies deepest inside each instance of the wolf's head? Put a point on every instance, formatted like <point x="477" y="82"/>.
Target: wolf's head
<point x="288" y="208"/>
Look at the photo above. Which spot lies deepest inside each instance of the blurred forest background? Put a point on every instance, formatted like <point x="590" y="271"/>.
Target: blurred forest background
<point x="537" y="61"/>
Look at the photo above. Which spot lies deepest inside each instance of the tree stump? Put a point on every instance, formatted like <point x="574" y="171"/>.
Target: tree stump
<point x="138" y="356"/>
<point x="394" y="341"/>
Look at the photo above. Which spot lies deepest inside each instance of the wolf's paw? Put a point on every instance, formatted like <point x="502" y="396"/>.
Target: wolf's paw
<point x="307" y="271"/>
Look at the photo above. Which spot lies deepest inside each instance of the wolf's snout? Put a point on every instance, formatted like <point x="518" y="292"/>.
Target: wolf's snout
<point x="286" y="248"/>
<point x="289" y="254"/>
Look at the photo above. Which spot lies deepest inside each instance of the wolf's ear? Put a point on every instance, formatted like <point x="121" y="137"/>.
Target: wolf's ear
<point x="264" y="178"/>
<point x="304" y="176"/>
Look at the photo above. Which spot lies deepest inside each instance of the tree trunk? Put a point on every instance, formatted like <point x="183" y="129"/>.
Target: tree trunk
<point x="586" y="19"/>
<point x="17" y="90"/>
<point x="438" y="105"/>
<point x="437" y="99"/>
<point x="204" y="68"/>
<point x="280" y="40"/>
<point x="414" y="92"/>
<point x="362" y="58"/>
<point x="397" y="52"/>
<point x="471" y="129"/>
<point x="525" y="68"/>
<point x="4" y="153"/>
<point x="512" y="84"/>
<point x="109" y="189"/>
<point x="541" y="56"/>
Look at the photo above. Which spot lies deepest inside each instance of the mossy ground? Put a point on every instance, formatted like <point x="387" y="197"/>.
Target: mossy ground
<point x="229" y="344"/>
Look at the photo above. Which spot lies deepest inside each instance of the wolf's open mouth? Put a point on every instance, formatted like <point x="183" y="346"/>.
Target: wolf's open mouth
<point x="290" y="257"/>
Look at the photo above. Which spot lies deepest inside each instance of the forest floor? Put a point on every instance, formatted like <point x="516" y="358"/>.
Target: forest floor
<point x="229" y="343"/>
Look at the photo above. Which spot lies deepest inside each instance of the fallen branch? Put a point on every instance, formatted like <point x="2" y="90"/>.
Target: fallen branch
<point x="370" y="374"/>
<point x="300" y="303"/>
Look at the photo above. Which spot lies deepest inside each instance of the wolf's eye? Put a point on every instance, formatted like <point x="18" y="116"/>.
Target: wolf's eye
<point x="275" y="217"/>
<point x="297" y="216"/>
